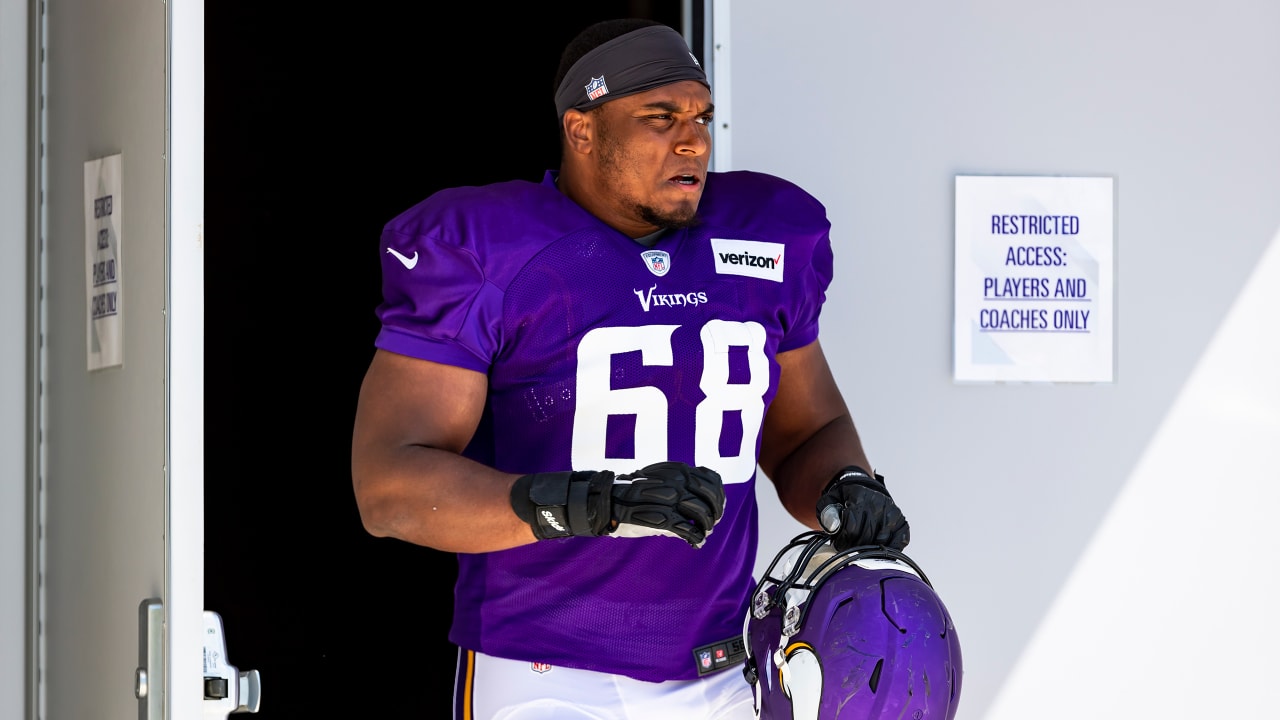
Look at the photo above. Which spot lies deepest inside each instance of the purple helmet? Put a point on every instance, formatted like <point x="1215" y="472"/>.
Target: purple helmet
<point x="853" y="634"/>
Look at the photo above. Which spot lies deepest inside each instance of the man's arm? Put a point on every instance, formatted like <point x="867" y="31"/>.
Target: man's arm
<point x="413" y="419"/>
<point x="809" y="434"/>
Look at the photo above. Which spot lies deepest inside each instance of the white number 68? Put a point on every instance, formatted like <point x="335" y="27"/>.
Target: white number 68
<point x="597" y="400"/>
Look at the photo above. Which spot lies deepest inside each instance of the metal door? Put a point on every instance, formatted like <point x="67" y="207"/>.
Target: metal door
<point x="118" y="474"/>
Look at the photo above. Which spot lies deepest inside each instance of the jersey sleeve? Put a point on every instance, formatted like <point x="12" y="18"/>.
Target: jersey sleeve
<point x="810" y="286"/>
<point x="437" y="304"/>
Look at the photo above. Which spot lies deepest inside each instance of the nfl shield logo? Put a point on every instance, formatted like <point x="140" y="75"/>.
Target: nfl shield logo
<point x="540" y="667"/>
<point x="658" y="261"/>
<point x="596" y="88"/>
<point x="704" y="657"/>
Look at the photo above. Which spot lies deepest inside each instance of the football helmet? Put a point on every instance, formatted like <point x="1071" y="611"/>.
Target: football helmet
<point x="853" y="634"/>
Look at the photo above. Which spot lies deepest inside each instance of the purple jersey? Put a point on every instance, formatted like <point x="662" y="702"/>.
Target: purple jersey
<point x="605" y="354"/>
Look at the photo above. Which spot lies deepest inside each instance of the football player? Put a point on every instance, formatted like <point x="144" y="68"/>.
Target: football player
<point x="574" y="383"/>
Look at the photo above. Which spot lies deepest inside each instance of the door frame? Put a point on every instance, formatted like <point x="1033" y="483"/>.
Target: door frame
<point x="184" y="406"/>
<point x="183" y="592"/>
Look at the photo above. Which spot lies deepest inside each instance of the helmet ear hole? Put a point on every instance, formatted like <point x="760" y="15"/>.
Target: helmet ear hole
<point x="874" y="682"/>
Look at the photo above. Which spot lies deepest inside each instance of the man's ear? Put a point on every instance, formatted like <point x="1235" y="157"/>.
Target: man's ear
<point x="578" y="130"/>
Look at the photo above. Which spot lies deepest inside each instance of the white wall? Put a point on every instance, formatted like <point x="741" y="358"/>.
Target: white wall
<point x="1106" y="550"/>
<point x="13" y="328"/>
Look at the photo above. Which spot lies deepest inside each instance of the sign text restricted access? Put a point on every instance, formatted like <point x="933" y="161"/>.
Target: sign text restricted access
<point x="1019" y="285"/>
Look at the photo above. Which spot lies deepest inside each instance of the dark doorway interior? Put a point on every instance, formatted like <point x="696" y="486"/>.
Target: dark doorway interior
<point x="322" y="123"/>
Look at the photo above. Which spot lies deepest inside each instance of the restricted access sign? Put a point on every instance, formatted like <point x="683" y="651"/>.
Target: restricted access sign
<point x="1034" y="281"/>
<point x="103" y="221"/>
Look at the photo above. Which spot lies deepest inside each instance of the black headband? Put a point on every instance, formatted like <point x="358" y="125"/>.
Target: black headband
<point x="628" y="64"/>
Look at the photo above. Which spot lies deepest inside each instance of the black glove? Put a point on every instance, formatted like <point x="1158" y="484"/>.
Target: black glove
<point x="667" y="498"/>
<point x="856" y="509"/>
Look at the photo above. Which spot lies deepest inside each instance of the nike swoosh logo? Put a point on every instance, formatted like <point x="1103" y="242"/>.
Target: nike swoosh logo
<point x="407" y="262"/>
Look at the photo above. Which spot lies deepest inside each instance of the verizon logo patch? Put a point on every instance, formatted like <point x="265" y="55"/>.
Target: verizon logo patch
<point x="751" y="258"/>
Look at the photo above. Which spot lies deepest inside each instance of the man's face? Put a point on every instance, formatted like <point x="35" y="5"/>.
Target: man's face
<point x="650" y="153"/>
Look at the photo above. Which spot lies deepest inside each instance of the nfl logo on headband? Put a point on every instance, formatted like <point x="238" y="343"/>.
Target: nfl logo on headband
<point x="596" y="88"/>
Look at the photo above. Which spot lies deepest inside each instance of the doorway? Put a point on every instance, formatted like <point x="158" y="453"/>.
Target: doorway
<point x="321" y="126"/>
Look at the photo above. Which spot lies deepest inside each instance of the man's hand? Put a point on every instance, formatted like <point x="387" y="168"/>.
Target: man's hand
<point x="856" y="509"/>
<point x="667" y="498"/>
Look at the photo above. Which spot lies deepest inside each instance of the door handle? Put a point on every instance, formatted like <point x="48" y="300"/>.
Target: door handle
<point x="148" y="681"/>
